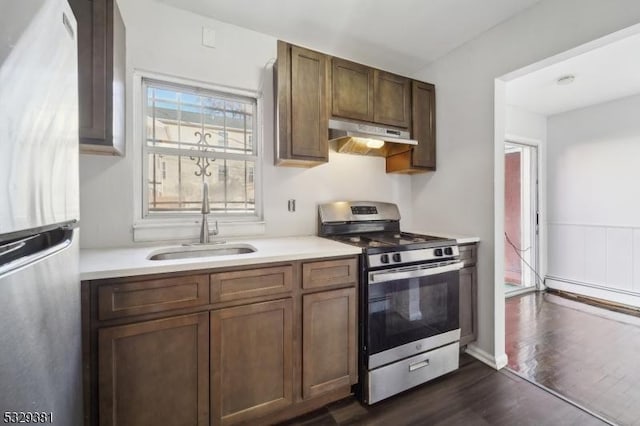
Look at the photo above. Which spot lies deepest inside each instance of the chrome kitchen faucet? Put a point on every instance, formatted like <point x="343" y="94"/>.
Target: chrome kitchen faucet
<point x="205" y="210"/>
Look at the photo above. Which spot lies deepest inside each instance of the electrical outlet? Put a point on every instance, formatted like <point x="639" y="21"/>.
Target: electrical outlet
<point x="291" y="205"/>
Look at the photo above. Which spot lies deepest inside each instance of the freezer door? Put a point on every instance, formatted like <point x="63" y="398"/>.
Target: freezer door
<point x="40" y="351"/>
<point x="38" y="115"/>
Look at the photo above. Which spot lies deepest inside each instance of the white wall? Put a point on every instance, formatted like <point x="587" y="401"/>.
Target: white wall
<point x="166" y="40"/>
<point x="524" y="126"/>
<point x="594" y="202"/>
<point x="460" y="196"/>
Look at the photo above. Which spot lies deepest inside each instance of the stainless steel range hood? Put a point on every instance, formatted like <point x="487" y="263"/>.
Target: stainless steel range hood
<point x="368" y="139"/>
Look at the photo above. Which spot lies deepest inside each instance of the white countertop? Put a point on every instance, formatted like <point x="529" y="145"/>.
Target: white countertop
<point x="129" y="261"/>
<point x="460" y="239"/>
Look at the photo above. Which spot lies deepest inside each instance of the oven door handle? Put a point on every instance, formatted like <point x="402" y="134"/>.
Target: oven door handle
<point x="383" y="276"/>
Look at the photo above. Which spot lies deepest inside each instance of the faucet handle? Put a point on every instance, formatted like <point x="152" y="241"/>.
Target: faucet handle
<point x="215" y="230"/>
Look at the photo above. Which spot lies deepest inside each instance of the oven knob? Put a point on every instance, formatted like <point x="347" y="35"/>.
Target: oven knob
<point x="396" y="257"/>
<point x="437" y="252"/>
<point x="448" y="251"/>
<point x="384" y="258"/>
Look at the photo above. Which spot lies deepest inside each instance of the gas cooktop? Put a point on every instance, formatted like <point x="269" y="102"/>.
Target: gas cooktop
<point x="390" y="240"/>
<point x="375" y="227"/>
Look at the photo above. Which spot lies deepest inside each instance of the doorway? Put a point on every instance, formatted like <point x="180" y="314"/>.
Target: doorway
<point x="521" y="221"/>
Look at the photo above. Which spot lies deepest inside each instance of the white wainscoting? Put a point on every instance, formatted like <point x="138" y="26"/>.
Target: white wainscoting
<point x="595" y="260"/>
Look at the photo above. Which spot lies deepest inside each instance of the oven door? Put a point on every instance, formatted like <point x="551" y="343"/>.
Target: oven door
<point x="411" y="309"/>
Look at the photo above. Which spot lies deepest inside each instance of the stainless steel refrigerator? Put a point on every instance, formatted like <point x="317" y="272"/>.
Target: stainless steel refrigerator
<point x="40" y="351"/>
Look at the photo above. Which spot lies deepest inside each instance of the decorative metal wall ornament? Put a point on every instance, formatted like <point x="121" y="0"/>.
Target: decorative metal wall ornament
<point x="203" y="163"/>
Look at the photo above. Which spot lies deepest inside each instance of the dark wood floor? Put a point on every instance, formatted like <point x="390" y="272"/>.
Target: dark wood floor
<point x="589" y="355"/>
<point x="473" y="395"/>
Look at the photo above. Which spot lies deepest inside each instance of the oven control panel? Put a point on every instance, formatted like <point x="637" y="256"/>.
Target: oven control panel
<point x="411" y="256"/>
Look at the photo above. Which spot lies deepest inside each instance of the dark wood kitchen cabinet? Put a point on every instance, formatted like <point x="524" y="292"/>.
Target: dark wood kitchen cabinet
<point x="313" y="87"/>
<point x="329" y="326"/>
<point x="352" y="90"/>
<point x="392" y="99"/>
<point x="362" y="93"/>
<point x="253" y="344"/>
<point x="329" y="334"/>
<point x="251" y="361"/>
<point x="155" y="372"/>
<point x="302" y="108"/>
<point x="101" y="76"/>
<point x="421" y="157"/>
<point x="468" y="294"/>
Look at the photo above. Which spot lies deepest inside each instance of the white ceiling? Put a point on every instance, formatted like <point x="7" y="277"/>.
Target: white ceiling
<point x="603" y="74"/>
<point x="401" y="36"/>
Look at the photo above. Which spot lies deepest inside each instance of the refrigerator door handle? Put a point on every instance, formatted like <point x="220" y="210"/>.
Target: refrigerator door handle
<point x="11" y="247"/>
<point x="9" y="266"/>
<point x="6" y="249"/>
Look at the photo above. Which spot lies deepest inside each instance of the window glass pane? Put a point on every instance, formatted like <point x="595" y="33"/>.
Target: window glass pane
<point x="231" y="189"/>
<point x="198" y="121"/>
<point x="181" y="119"/>
<point x="162" y="121"/>
<point x="175" y="184"/>
<point x="164" y="183"/>
<point x="163" y="94"/>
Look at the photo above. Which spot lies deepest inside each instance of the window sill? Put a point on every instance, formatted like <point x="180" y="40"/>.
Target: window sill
<point x="149" y="230"/>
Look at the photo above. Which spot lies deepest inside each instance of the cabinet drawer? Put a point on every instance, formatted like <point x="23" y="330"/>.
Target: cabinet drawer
<point x="468" y="254"/>
<point x="399" y="376"/>
<point x="330" y="272"/>
<point x="235" y="285"/>
<point x="143" y="297"/>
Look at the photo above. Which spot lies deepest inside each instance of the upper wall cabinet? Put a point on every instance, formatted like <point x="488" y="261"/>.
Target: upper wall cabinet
<point x="422" y="157"/>
<point x="302" y="107"/>
<point x="312" y="87"/>
<point x="352" y="87"/>
<point x="362" y="93"/>
<point x="101" y="76"/>
<point x="392" y="104"/>
<point x="424" y="125"/>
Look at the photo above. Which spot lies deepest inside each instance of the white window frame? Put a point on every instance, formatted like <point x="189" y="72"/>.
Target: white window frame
<point x="186" y="226"/>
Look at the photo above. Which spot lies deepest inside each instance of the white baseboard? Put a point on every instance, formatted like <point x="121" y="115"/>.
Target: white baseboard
<point x="495" y="362"/>
<point x="592" y="290"/>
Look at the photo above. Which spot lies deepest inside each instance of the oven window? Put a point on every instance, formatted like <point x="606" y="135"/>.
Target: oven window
<point x="407" y="310"/>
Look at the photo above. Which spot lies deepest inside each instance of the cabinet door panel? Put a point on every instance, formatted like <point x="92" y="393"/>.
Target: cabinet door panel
<point x="351" y="90"/>
<point x="251" y="361"/>
<point x="468" y="295"/>
<point x="155" y="372"/>
<point x="329" y="341"/>
<point x="424" y="125"/>
<point x="309" y="108"/>
<point x="302" y="108"/>
<point x="392" y="99"/>
<point x="101" y="76"/>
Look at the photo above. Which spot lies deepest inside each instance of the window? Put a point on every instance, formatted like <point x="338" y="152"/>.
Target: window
<point x="192" y="135"/>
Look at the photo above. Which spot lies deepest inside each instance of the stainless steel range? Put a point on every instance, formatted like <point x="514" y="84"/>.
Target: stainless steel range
<point x="409" y="307"/>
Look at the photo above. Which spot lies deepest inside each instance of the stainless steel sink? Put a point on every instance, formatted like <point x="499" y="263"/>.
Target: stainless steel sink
<point x="190" y="252"/>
